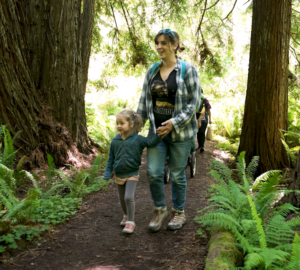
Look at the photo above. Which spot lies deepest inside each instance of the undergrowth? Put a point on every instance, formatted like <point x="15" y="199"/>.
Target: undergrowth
<point x="51" y="197"/>
<point x="247" y="210"/>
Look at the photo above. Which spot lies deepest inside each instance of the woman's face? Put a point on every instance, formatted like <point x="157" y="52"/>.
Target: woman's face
<point x="165" y="49"/>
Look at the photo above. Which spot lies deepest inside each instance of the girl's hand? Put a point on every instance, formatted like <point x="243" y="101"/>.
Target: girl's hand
<point x="199" y="123"/>
<point x="165" y="129"/>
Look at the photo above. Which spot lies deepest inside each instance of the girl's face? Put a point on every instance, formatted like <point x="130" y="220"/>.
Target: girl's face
<point x="123" y="126"/>
<point x="165" y="49"/>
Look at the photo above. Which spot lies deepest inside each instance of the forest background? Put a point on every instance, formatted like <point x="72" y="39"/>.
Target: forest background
<point x="67" y="68"/>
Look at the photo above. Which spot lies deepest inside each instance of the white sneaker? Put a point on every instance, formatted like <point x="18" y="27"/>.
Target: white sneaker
<point x="124" y="220"/>
<point x="160" y="215"/>
<point x="129" y="227"/>
<point x="177" y="220"/>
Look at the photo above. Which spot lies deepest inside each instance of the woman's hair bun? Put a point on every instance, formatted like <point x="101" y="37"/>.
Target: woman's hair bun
<point x="181" y="48"/>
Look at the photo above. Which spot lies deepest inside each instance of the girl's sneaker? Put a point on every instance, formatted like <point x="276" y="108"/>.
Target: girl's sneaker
<point x="129" y="228"/>
<point x="124" y="220"/>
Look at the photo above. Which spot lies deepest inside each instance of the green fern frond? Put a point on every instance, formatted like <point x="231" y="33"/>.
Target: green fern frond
<point x="241" y="167"/>
<point x="294" y="222"/>
<point x="258" y="222"/>
<point x="286" y="209"/>
<point x="8" y="175"/>
<point x="251" y="169"/>
<point x="217" y="177"/>
<point x="219" y="219"/>
<point x="273" y="257"/>
<point x="51" y="168"/>
<point x="293" y="158"/>
<point x="294" y="262"/>
<point x="264" y="178"/>
<point x="223" y="171"/>
<point x="31" y="178"/>
<point x="7" y="196"/>
<point x="52" y="191"/>
<point x="253" y="260"/>
<point x="19" y="211"/>
<point x="8" y="152"/>
<point x="94" y="171"/>
<point x="277" y="231"/>
<point x="20" y="164"/>
<point x="78" y="184"/>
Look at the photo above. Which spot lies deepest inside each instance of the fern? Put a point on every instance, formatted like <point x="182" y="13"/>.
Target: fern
<point x="294" y="263"/>
<point x="251" y="169"/>
<point x="259" y="227"/>
<point x="94" y="171"/>
<point x="241" y="167"/>
<point x="264" y="178"/>
<point x="21" y="211"/>
<point x="223" y="172"/>
<point x="8" y="175"/>
<point x="292" y="157"/>
<point x="51" y="167"/>
<point x="8" y="152"/>
<point x="7" y="196"/>
<point x="31" y="178"/>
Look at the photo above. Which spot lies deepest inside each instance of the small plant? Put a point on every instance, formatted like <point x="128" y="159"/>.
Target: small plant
<point x="26" y="233"/>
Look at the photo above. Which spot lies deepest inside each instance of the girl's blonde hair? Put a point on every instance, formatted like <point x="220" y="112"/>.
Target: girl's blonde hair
<point x="133" y="118"/>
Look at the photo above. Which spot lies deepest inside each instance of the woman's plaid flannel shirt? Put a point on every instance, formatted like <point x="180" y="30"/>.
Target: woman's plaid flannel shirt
<point x="187" y="101"/>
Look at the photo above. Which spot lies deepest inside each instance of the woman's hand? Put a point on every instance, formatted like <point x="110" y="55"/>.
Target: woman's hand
<point x="165" y="129"/>
<point x="199" y="122"/>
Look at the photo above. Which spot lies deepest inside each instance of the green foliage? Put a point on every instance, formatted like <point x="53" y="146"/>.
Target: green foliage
<point x="27" y="233"/>
<point x="7" y="153"/>
<point x="51" y="198"/>
<point x="55" y="209"/>
<point x="266" y="238"/>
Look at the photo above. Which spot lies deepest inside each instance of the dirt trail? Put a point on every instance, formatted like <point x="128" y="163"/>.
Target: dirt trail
<point x="93" y="239"/>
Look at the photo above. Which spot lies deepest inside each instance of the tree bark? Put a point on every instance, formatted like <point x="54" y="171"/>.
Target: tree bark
<point x="44" y="57"/>
<point x="266" y="105"/>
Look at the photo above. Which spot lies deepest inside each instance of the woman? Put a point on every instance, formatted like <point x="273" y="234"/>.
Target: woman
<point x="170" y="103"/>
<point x="203" y="117"/>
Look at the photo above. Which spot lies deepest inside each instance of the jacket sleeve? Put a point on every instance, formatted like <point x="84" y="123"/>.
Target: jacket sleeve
<point x="192" y="83"/>
<point x="150" y="141"/>
<point x="142" y="107"/>
<point x="109" y="164"/>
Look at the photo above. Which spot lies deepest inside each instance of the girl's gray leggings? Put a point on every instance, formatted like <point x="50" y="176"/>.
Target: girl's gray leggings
<point x="126" y="196"/>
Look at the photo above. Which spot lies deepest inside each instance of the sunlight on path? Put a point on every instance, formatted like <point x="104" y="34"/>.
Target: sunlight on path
<point x="104" y="268"/>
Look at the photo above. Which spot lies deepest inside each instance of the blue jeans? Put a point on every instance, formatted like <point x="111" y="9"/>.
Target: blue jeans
<point x="178" y="153"/>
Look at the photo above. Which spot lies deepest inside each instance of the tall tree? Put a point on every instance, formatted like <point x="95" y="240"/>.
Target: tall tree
<point x="267" y="90"/>
<point x="44" y="57"/>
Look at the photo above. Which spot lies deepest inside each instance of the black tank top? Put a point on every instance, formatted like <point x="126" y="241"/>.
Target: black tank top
<point x="163" y="97"/>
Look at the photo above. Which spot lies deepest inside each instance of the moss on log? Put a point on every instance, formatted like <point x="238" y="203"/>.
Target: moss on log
<point x="223" y="253"/>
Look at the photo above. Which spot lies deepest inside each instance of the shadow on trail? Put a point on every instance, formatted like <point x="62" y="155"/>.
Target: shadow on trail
<point x="93" y="239"/>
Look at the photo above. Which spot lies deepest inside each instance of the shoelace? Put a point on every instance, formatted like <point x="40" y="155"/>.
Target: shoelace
<point x="176" y="218"/>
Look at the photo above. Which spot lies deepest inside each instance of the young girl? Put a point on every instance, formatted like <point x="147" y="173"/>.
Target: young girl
<point x="124" y="161"/>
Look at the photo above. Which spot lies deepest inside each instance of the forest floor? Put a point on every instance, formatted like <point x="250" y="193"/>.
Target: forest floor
<point x="93" y="239"/>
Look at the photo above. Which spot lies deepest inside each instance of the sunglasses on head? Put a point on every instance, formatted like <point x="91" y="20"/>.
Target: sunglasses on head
<point x="166" y="31"/>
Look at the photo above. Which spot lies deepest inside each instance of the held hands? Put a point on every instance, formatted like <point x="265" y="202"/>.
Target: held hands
<point x="199" y="122"/>
<point x="165" y="129"/>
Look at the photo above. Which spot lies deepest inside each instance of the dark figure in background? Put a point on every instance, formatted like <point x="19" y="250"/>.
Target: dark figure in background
<point x="203" y="118"/>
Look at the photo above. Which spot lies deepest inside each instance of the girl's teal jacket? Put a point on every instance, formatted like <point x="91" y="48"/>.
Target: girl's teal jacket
<point x="124" y="157"/>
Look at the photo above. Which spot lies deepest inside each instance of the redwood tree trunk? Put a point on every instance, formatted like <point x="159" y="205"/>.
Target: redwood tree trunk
<point x="266" y="104"/>
<point x="44" y="56"/>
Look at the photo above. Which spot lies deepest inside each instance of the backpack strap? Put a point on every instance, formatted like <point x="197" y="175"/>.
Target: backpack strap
<point x="183" y="65"/>
<point x="155" y="65"/>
